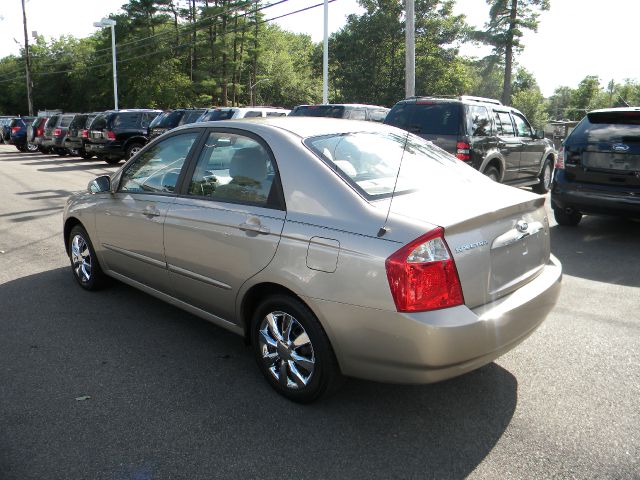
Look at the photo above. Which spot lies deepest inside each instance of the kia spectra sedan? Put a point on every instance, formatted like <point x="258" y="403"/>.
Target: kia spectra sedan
<point x="336" y="248"/>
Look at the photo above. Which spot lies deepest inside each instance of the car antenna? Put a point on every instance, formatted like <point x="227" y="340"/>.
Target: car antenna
<point x="384" y="229"/>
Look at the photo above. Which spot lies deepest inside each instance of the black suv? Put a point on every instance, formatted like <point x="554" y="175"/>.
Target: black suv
<point x="495" y="139"/>
<point x="598" y="168"/>
<point x="172" y="119"/>
<point x="78" y="134"/>
<point x="118" y="134"/>
<point x="352" y="111"/>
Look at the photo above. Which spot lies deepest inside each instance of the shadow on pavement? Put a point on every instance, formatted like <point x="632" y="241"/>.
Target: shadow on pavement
<point x="586" y="251"/>
<point x="117" y="384"/>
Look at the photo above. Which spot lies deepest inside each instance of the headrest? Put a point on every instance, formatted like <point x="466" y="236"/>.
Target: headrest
<point x="250" y="163"/>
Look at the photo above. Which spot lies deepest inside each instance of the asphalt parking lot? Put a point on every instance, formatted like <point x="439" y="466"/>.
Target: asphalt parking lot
<point x="119" y="385"/>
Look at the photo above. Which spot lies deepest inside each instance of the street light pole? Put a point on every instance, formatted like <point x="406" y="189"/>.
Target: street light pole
<point x="325" y="55"/>
<point x="107" y="22"/>
<point x="410" y="48"/>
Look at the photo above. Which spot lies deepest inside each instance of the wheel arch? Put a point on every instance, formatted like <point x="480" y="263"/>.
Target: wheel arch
<point x="255" y="295"/>
<point x="68" y="226"/>
<point x="493" y="161"/>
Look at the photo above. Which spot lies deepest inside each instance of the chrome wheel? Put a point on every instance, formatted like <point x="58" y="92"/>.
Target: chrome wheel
<point x="546" y="176"/>
<point x="81" y="259"/>
<point x="31" y="147"/>
<point x="133" y="150"/>
<point x="286" y="350"/>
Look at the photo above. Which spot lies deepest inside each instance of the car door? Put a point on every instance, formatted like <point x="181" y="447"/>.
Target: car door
<point x="532" y="148"/>
<point x="129" y="222"/>
<point x="509" y="145"/>
<point x="226" y="225"/>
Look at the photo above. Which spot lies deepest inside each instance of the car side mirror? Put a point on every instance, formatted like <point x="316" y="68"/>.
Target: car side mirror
<point x="540" y="133"/>
<point x="100" y="184"/>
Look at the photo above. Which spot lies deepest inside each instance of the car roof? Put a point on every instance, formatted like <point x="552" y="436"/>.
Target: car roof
<point x="616" y="109"/>
<point x="301" y="126"/>
<point x="359" y="105"/>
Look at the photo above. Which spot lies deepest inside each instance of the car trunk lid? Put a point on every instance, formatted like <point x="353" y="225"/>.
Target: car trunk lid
<point x="497" y="235"/>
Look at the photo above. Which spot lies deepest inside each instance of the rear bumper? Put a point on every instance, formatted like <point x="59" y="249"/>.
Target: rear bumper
<point x="428" y="347"/>
<point x="109" y="149"/>
<point x="593" y="198"/>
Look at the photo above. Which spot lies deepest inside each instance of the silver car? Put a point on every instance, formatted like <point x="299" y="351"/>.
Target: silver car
<point x="336" y="248"/>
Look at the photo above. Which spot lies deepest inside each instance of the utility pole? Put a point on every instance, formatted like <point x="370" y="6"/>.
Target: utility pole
<point x="27" y="60"/>
<point x="410" y="49"/>
<point x="325" y="55"/>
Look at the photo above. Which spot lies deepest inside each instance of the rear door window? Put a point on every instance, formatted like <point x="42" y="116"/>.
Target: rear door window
<point x="127" y="120"/>
<point x="504" y="124"/>
<point x="253" y="113"/>
<point x="479" y="122"/>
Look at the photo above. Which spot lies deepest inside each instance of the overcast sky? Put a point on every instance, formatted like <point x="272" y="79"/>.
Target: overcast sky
<point x="576" y="38"/>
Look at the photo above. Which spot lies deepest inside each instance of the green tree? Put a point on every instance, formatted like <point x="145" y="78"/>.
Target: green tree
<point x="507" y="21"/>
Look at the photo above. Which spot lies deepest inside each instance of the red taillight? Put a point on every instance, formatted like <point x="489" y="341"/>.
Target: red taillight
<point x="15" y="129"/>
<point x="422" y="275"/>
<point x="560" y="159"/>
<point x="84" y="133"/>
<point x="39" y="131"/>
<point x="463" y="151"/>
<point x="111" y="135"/>
<point x="57" y="132"/>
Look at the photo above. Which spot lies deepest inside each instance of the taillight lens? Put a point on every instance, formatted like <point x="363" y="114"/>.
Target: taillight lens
<point x="85" y="133"/>
<point x="422" y="275"/>
<point x="560" y="159"/>
<point x="57" y="132"/>
<point x="15" y="129"/>
<point x="463" y="151"/>
<point x="111" y="135"/>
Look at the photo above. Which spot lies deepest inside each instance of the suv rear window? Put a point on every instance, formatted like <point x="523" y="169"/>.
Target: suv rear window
<point x="66" y="121"/>
<point x="332" y="111"/>
<point x="167" y="120"/>
<point x="100" y="122"/>
<point x="608" y="127"/>
<point x="436" y="118"/>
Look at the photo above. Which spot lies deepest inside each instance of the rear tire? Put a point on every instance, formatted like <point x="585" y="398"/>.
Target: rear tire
<point x="292" y="350"/>
<point x="32" y="147"/>
<point x="493" y="173"/>
<point x="545" y="178"/>
<point x="133" y="149"/>
<point x="567" y="219"/>
<point x="84" y="154"/>
<point x="112" y="161"/>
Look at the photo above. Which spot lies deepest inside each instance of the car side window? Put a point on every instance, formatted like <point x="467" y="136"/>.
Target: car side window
<point x="522" y="126"/>
<point x="504" y="124"/>
<point x="253" y="113"/>
<point x="358" y="114"/>
<point x="479" y="121"/>
<point x="157" y="169"/>
<point x="234" y="168"/>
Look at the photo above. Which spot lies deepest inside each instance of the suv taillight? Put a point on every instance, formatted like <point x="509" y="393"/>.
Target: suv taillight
<point x="463" y="151"/>
<point x="57" y="132"/>
<point x="84" y="133"/>
<point x="423" y="276"/>
<point x="40" y="131"/>
<point x="15" y="129"/>
<point x="111" y="135"/>
<point x="560" y="159"/>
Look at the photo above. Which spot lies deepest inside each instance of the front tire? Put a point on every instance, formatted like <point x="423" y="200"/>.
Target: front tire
<point x="292" y="350"/>
<point x="84" y="262"/>
<point x="545" y="177"/>
<point x="567" y="219"/>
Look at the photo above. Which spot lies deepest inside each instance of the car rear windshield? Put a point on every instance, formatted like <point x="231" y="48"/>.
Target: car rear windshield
<point x="607" y="127"/>
<point x="100" y="122"/>
<point x="167" y="120"/>
<point x="376" y="163"/>
<point x="434" y="118"/>
<point x="66" y="121"/>
<point x="218" y="114"/>
<point x="125" y="120"/>
<point x="332" y="111"/>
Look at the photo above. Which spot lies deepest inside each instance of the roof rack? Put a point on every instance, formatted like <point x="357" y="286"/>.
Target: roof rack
<point x="469" y="98"/>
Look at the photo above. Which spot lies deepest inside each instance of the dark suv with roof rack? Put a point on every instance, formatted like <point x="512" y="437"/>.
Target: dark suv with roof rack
<point x="173" y="118"/>
<point x="495" y="139"/>
<point x="598" y="168"/>
<point x="118" y="134"/>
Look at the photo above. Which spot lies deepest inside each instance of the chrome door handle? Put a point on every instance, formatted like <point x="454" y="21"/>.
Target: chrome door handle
<point x="151" y="212"/>
<point x="254" y="227"/>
